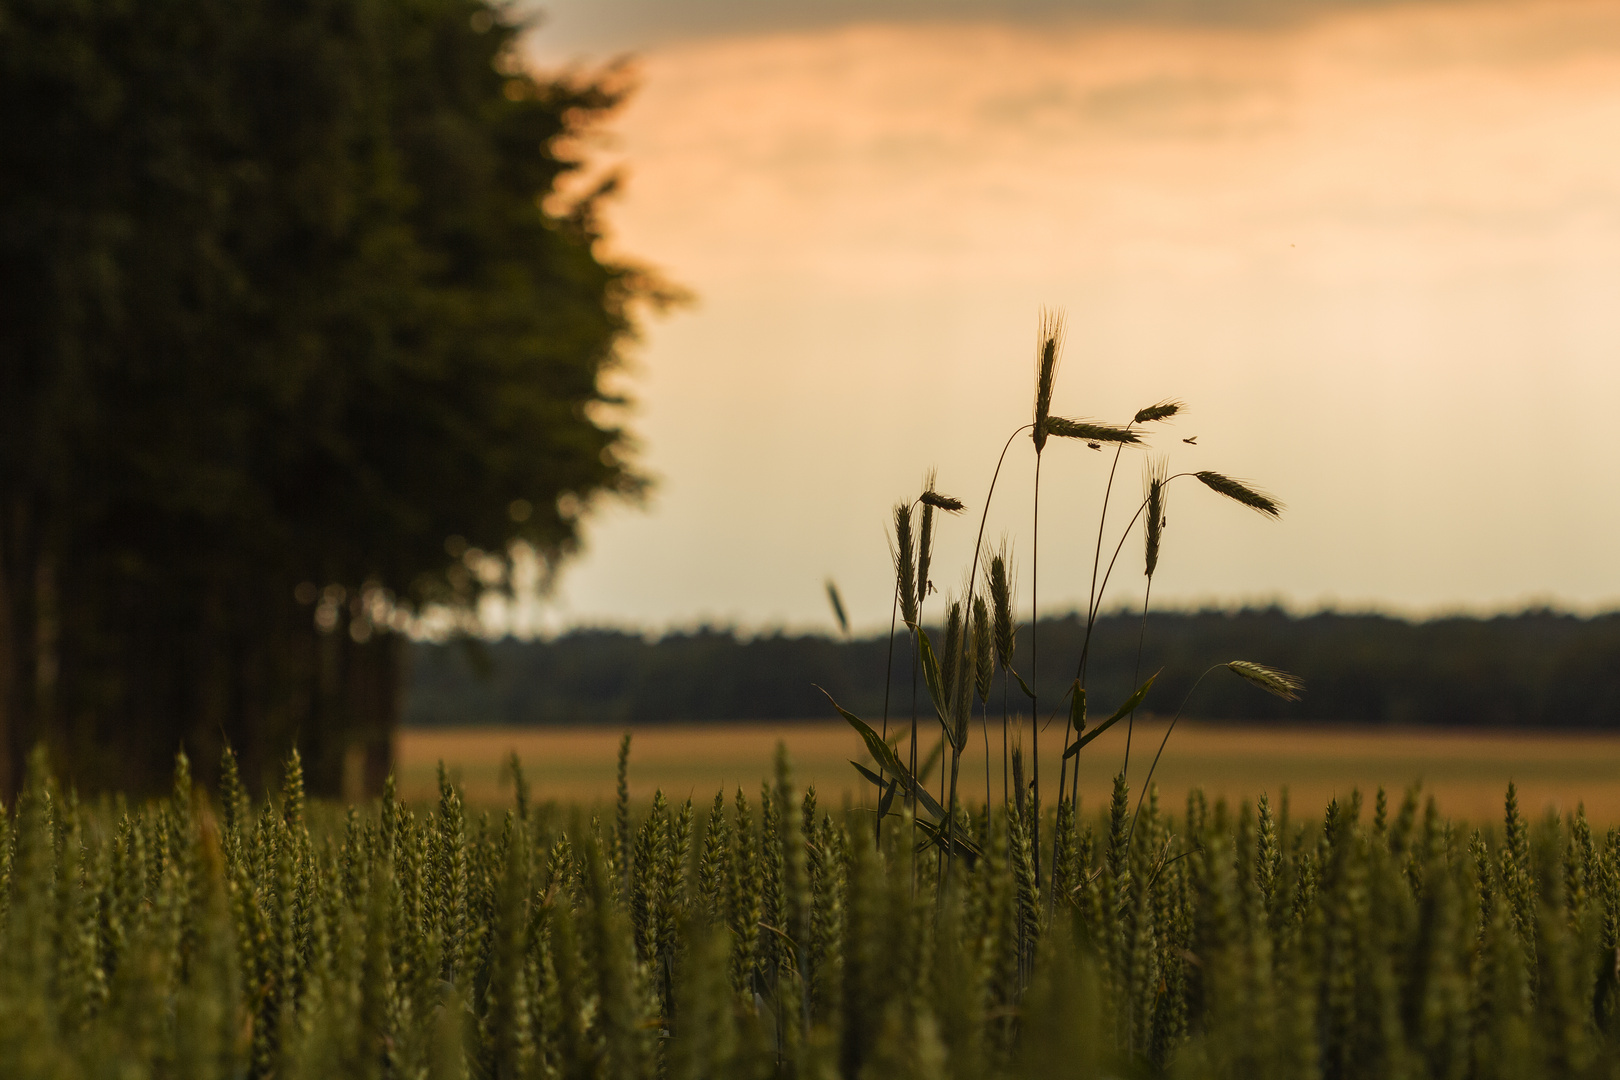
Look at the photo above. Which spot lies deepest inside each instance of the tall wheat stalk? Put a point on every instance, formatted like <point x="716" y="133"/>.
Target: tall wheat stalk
<point x="1152" y="539"/>
<point x="1050" y="337"/>
<point x="905" y="604"/>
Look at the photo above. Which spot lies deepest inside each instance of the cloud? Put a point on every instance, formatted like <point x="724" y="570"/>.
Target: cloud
<point x="602" y="27"/>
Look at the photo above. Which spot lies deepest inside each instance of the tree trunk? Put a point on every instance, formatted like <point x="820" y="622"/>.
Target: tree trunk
<point x="19" y="627"/>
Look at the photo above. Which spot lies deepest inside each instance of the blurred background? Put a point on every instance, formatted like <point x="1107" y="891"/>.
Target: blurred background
<point x="538" y="364"/>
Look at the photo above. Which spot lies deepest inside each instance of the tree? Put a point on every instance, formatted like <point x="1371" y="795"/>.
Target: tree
<point x="287" y="305"/>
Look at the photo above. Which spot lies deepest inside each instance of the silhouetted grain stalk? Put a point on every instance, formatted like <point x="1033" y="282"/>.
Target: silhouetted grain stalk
<point x="984" y="676"/>
<point x="905" y="603"/>
<point x="952" y="676"/>
<point x="925" y="546"/>
<point x="1050" y="340"/>
<point x="1152" y="537"/>
<point x="912" y="586"/>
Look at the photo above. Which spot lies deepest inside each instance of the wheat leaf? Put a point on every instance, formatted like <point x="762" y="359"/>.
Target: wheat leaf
<point x="928" y="802"/>
<point x="869" y="774"/>
<point x="934" y="835"/>
<point x="886" y="788"/>
<point x="887" y="799"/>
<point x="1022" y="685"/>
<point x="881" y="752"/>
<point x="886" y="758"/>
<point x="931" y="676"/>
<point x="1131" y="703"/>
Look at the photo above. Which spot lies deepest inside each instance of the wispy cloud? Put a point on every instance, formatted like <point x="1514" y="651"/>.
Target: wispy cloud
<point x="600" y="27"/>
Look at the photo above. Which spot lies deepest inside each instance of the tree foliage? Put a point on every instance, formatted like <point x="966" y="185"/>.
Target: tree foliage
<point x="289" y="297"/>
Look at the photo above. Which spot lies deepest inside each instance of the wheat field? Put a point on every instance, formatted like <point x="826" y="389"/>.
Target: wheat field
<point x="1466" y="770"/>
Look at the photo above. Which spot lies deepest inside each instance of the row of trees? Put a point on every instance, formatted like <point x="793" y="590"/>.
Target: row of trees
<point x="1534" y="669"/>
<point x="290" y="304"/>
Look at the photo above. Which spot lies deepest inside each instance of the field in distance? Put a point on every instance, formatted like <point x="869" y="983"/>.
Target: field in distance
<point x="1467" y="771"/>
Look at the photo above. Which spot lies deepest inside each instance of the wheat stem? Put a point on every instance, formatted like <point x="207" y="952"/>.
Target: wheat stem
<point x="1136" y="673"/>
<point x="1034" y="667"/>
<point x="1148" y="780"/>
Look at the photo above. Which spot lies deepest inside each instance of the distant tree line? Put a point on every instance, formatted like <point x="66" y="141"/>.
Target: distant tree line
<point x="294" y="323"/>
<point x="1537" y="669"/>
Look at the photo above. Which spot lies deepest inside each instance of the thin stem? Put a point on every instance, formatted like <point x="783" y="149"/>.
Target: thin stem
<point x="1130" y="719"/>
<point x="973" y="573"/>
<point x="1063" y="786"/>
<point x="1006" y="757"/>
<point x="916" y="656"/>
<point x="888" y="679"/>
<point x="1141" y="636"/>
<point x="1149" y="778"/>
<point x="984" y="515"/>
<point x="944" y="852"/>
<point x="1091" y="599"/>
<point x="1034" y="666"/>
<point x="1091" y="618"/>
<point x="948" y="853"/>
<point x="1102" y="519"/>
<point x="985" y="707"/>
<point x="1074" y="790"/>
<point x="961" y="720"/>
<point x="1085" y="648"/>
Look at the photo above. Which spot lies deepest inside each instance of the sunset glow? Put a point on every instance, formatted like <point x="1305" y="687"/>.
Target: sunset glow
<point x="1377" y="252"/>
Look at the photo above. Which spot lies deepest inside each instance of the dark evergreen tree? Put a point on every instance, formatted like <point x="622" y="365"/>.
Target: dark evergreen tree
<point x="289" y="298"/>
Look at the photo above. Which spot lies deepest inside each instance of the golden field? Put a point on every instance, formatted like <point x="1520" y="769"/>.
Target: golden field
<point x="1466" y="771"/>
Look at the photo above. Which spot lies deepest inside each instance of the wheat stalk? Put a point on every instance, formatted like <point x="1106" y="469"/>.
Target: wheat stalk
<point x="905" y="567"/>
<point x="1278" y="683"/>
<point x="1163" y="410"/>
<point x="1091" y="432"/>
<point x="1240" y="491"/>
<point x="984" y="672"/>
<point x="1050" y="336"/>
<point x="1049" y="344"/>
<point x="940" y="502"/>
<point x="1153" y="536"/>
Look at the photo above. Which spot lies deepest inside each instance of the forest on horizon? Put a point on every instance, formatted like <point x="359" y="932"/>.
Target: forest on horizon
<point x="1538" y="668"/>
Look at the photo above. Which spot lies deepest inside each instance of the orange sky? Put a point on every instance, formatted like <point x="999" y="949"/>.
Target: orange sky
<point x="1377" y="252"/>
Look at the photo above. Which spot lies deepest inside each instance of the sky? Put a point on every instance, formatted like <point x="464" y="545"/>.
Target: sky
<point x="1374" y="247"/>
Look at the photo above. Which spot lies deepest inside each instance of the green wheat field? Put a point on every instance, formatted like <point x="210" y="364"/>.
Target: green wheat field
<point x="757" y="934"/>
